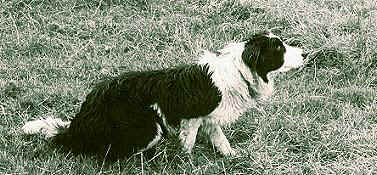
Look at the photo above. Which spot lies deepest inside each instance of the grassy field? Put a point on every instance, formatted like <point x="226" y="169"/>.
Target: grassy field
<point x="321" y="120"/>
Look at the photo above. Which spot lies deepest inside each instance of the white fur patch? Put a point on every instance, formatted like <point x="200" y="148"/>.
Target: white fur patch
<point x="48" y="127"/>
<point x="226" y="69"/>
<point x="292" y="58"/>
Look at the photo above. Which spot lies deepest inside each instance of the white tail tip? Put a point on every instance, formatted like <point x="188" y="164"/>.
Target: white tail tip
<point x="48" y="127"/>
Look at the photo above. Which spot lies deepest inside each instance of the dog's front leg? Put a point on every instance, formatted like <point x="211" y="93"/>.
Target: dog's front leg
<point x="188" y="131"/>
<point x="218" y="139"/>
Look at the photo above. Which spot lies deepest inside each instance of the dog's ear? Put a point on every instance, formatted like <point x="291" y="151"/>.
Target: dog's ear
<point x="251" y="56"/>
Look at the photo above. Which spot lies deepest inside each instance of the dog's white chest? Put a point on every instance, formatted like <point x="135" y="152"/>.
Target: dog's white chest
<point x="233" y="104"/>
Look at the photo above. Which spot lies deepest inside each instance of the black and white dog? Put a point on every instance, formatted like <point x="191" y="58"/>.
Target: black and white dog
<point x="130" y="113"/>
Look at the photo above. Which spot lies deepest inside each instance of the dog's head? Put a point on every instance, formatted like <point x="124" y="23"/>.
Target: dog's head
<point x="266" y="52"/>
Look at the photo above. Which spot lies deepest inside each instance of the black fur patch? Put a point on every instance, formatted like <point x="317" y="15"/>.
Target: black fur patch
<point x="263" y="54"/>
<point x="117" y="117"/>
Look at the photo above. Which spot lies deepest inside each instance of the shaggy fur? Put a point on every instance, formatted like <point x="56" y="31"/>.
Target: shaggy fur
<point x="131" y="113"/>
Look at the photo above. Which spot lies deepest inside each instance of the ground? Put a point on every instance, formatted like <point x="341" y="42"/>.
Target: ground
<point x="321" y="120"/>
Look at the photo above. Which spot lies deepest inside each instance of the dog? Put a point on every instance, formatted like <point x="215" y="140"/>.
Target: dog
<point x="130" y="113"/>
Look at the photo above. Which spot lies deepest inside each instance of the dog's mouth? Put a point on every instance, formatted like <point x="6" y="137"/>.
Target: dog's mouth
<point x="293" y="58"/>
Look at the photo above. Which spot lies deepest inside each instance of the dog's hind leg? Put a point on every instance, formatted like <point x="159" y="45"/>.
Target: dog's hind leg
<point x="150" y="149"/>
<point x="155" y="140"/>
<point x="188" y="131"/>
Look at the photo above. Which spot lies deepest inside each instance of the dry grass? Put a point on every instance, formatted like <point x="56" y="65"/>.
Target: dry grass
<point x="322" y="119"/>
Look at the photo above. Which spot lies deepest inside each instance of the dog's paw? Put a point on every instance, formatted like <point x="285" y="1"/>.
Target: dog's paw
<point x="231" y="152"/>
<point x="186" y="150"/>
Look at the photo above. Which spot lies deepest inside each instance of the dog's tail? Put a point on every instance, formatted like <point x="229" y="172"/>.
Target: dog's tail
<point x="49" y="127"/>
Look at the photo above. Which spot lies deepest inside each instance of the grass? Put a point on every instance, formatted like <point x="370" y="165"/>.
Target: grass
<point x="321" y="120"/>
